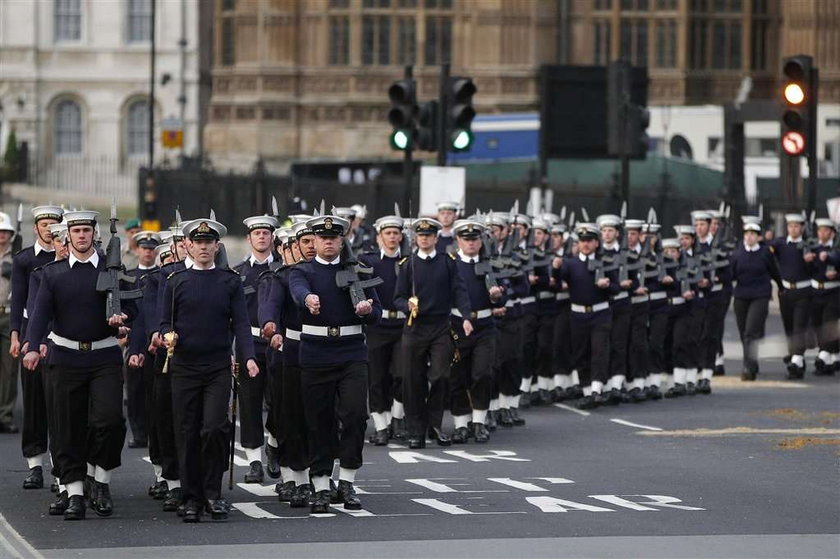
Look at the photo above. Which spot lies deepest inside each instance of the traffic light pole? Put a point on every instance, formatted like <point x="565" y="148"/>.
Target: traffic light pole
<point x="443" y="141"/>
<point x="812" y="144"/>
<point x="624" y="154"/>
<point x="408" y="161"/>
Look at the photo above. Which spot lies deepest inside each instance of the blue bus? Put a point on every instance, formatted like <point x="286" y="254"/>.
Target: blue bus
<point x="502" y="137"/>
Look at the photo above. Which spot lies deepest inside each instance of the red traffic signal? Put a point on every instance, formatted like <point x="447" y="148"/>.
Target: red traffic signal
<point x="798" y="105"/>
<point x="793" y="143"/>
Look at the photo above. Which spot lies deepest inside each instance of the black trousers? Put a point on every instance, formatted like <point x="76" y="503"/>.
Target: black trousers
<point x="149" y="402"/>
<point x="200" y="398"/>
<point x="274" y="392"/>
<point x="33" y="435"/>
<point x="684" y="333"/>
<point x="384" y="371"/>
<point x="545" y="345"/>
<point x="331" y="395"/>
<point x="638" y="351"/>
<point x="427" y="357"/>
<point x="164" y="426"/>
<point x="251" y="397"/>
<point x="795" y="305"/>
<point x="509" y="356"/>
<point x="472" y="376"/>
<point x="591" y="347"/>
<point x="295" y="448"/>
<point x="530" y="323"/>
<point x="713" y="321"/>
<point x="620" y="338"/>
<point x="695" y="328"/>
<point x="825" y="310"/>
<point x="89" y="423"/>
<point x="562" y="358"/>
<point x="751" y="315"/>
<point x="135" y="407"/>
<point x="657" y="338"/>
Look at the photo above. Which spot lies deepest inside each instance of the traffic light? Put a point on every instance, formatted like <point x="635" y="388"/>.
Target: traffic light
<point x="459" y="113"/>
<point x="403" y="96"/>
<point x="627" y="116"/>
<point x="427" y="122"/>
<point x="799" y="105"/>
<point x="638" y="120"/>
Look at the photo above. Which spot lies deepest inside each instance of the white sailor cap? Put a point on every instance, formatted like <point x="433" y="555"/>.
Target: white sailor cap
<point x="283" y="234"/>
<point x="752" y="227"/>
<point x="166" y="237"/>
<point x="57" y="230"/>
<point x="467" y="229"/>
<point x="448" y="206"/>
<point x="361" y="211"/>
<point x="558" y="229"/>
<point x="301" y="230"/>
<point x="499" y="219"/>
<point x="6" y="223"/>
<point x="539" y="223"/>
<point x="795" y="218"/>
<point x="701" y="215"/>
<point x="79" y="217"/>
<point x="587" y="231"/>
<point x="261" y="222"/>
<point x="608" y="220"/>
<point x="328" y="225"/>
<point x="204" y="229"/>
<point x="388" y="221"/>
<point x="347" y="213"/>
<point x="685" y="230"/>
<point x="715" y="214"/>
<point x="670" y="243"/>
<point x="751" y="219"/>
<point x="47" y="212"/>
<point x="550" y="218"/>
<point x="147" y="239"/>
<point x="163" y="250"/>
<point x="426" y="226"/>
<point x="521" y="219"/>
<point x="825" y="222"/>
<point x="177" y="232"/>
<point x="651" y="228"/>
<point x="634" y="224"/>
<point x="299" y="218"/>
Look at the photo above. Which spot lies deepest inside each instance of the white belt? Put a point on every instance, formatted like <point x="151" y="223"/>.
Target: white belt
<point x="717" y="287"/>
<point x="510" y="303"/>
<point x="640" y="299"/>
<point x="483" y="313"/>
<point x="332" y="331"/>
<point x="824" y="284"/>
<point x="293" y="335"/>
<point x="562" y="296"/>
<point x="798" y="285"/>
<point x="82" y="346"/>
<point x="619" y="296"/>
<point x="256" y="332"/>
<point x="658" y="295"/>
<point x="676" y="300"/>
<point x="545" y="295"/>
<point x="527" y="300"/>
<point x="392" y="315"/>
<point x="25" y="314"/>
<point x="590" y="308"/>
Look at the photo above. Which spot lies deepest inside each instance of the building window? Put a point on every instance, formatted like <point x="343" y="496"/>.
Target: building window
<point x="228" y="5"/>
<point x="406" y="41"/>
<point x="339" y="4"/>
<point x="666" y="44"/>
<point x="68" y="20"/>
<point x="719" y="42"/>
<point x="139" y="20"/>
<point x="726" y="39"/>
<point x="68" y="128"/>
<point x="339" y="40"/>
<point x="228" y="54"/>
<point x="697" y="44"/>
<point x="441" y="4"/>
<point x="438" y="40"/>
<point x="376" y="40"/>
<point x="758" y="58"/>
<point x="734" y="46"/>
<point x="603" y="30"/>
<point x="634" y="42"/>
<point x="137" y="128"/>
<point x="759" y="6"/>
<point x="666" y="5"/>
<point x="602" y="5"/>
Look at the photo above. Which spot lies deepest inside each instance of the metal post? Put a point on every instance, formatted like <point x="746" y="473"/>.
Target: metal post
<point x="408" y="163"/>
<point x="623" y="153"/>
<point x="443" y="143"/>
<point x="152" y="87"/>
<point x="812" y="145"/>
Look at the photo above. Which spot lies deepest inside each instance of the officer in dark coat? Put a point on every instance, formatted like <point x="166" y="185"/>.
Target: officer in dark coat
<point x="206" y="305"/>
<point x="826" y="300"/>
<point x="333" y="359"/>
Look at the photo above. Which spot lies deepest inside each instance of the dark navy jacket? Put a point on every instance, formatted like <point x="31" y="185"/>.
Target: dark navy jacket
<point x="753" y="271"/>
<point x="792" y="265"/>
<point x="22" y="265"/>
<point x="250" y="283"/>
<point x="479" y="300"/>
<point x="439" y="287"/>
<point x="384" y="267"/>
<point x="582" y="289"/>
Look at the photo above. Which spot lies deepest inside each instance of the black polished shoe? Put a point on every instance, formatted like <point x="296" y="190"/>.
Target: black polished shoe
<point x="624" y="396"/>
<point x="439" y="436"/>
<point x="574" y="392"/>
<point x="9" y="427"/>
<point x="158" y="490"/>
<point x="748" y="375"/>
<point x="795" y="372"/>
<point x="416" y="443"/>
<point x="54" y="486"/>
<point x="654" y="393"/>
<point x="272" y="461"/>
<point x="518" y="420"/>
<point x="598" y="399"/>
<point x="255" y="474"/>
<point x="460" y="435"/>
<point x="285" y="491"/>
<point x="192" y="512"/>
<point x="138" y="443"/>
<point x="35" y="479"/>
<point x="675" y="391"/>
<point x="690" y="389"/>
<point x="505" y="420"/>
<point x="321" y="503"/>
<point x="218" y="509"/>
<point x="586" y="403"/>
<point x="348" y="496"/>
<point x="719" y="371"/>
<point x="101" y="501"/>
<point x="525" y="400"/>
<point x="300" y="497"/>
<point x="173" y="499"/>
<point x="482" y="435"/>
<point x="491" y="420"/>
<point x="380" y="438"/>
<point x="613" y="397"/>
<point x="398" y="430"/>
<point x="335" y="498"/>
<point x="637" y="396"/>
<point x="58" y="506"/>
<point x="704" y="386"/>
<point x="558" y="394"/>
<point x="75" y="508"/>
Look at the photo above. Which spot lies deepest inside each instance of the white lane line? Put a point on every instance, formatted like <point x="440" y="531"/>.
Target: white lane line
<point x="637" y="425"/>
<point x="254" y="511"/>
<point x="524" y="486"/>
<point x="14" y="543"/>
<point x="571" y="409"/>
<point x="258" y="490"/>
<point x="355" y="513"/>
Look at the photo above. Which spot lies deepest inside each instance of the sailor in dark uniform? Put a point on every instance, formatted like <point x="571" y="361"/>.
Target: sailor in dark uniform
<point x="562" y="357"/>
<point x="658" y="311"/>
<point x="34" y="427"/>
<point x="447" y="213"/>
<point x="205" y="306"/>
<point x="715" y="298"/>
<point x="546" y="308"/>
<point x="383" y="339"/>
<point x="795" y="300"/>
<point x="252" y="391"/>
<point x="528" y="307"/>
<point x="85" y="358"/>
<point x="825" y="304"/>
<point x="333" y="359"/>
<point x="637" y="366"/>
<point x="428" y="288"/>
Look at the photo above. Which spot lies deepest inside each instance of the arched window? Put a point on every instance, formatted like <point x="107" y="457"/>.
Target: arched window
<point x="137" y="128"/>
<point x="68" y="128"/>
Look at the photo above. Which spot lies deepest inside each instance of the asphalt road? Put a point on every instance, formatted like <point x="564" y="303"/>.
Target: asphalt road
<point x="749" y="471"/>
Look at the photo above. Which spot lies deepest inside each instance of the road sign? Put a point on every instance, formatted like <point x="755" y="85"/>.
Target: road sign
<point x="793" y="143"/>
<point x="172" y="133"/>
<point x="438" y="184"/>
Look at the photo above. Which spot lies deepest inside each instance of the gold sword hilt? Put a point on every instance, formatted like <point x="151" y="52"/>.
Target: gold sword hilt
<point x="413" y="314"/>
<point x="172" y="340"/>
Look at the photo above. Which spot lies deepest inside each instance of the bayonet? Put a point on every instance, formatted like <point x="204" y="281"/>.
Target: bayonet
<point x="17" y="243"/>
<point x="585" y="215"/>
<point x="275" y="211"/>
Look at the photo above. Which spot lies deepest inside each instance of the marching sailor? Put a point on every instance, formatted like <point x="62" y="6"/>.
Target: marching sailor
<point x="826" y="301"/>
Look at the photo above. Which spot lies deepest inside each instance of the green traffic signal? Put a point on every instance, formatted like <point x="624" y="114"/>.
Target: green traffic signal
<point x="461" y="139"/>
<point x="400" y="139"/>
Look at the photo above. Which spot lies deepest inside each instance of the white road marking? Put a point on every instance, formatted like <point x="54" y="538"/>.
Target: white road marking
<point x="412" y="457"/>
<point x="507" y="455"/>
<point x="258" y="490"/>
<point x="637" y="425"/>
<point x="450" y="487"/>
<point x="254" y="511"/>
<point x="555" y="480"/>
<point x="456" y="510"/>
<point x="743" y="431"/>
<point x="355" y="513"/>
<point x="571" y="409"/>
<point x="15" y="544"/>
<point x="553" y="504"/>
<point x="432" y="485"/>
<point x="524" y="486"/>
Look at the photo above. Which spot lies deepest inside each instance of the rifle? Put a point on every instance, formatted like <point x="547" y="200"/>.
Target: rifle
<point x="348" y="277"/>
<point x="235" y="392"/>
<point x="108" y="282"/>
<point x="17" y="242"/>
<point x="809" y="242"/>
<point x="485" y="266"/>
